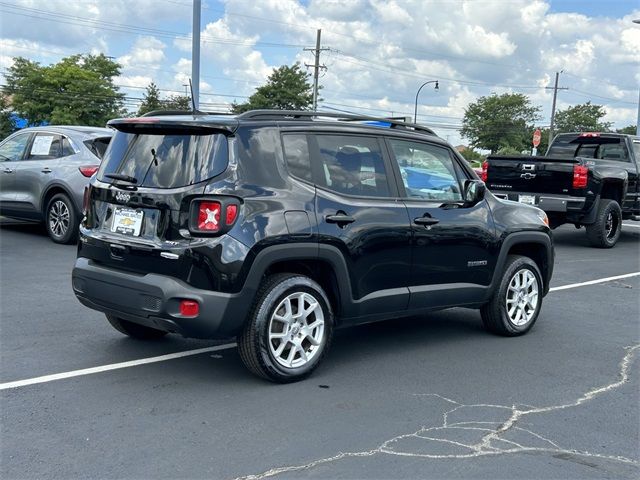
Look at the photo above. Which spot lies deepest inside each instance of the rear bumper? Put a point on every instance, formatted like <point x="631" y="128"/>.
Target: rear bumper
<point x="154" y="300"/>
<point x="547" y="202"/>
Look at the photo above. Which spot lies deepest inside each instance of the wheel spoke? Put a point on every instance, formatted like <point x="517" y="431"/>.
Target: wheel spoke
<point x="292" y="354"/>
<point x="280" y="348"/>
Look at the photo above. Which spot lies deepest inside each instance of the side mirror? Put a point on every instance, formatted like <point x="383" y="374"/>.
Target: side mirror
<point x="474" y="191"/>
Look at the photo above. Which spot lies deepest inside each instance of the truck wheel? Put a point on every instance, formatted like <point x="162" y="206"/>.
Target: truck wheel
<point x="134" y="330"/>
<point x="605" y="231"/>
<point x="515" y="305"/>
<point x="288" y="330"/>
<point x="61" y="219"/>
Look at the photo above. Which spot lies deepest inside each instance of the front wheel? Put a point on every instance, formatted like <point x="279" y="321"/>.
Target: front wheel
<point x="289" y="329"/>
<point x="605" y="231"/>
<point x="515" y="305"/>
<point x="61" y="219"/>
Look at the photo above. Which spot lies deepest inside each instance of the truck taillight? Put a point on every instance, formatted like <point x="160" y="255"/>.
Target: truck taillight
<point x="485" y="171"/>
<point x="580" y="174"/>
<point x="213" y="216"/>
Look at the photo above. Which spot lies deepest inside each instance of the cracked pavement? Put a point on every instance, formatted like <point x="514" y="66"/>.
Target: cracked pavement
<point x="432" y="397"/>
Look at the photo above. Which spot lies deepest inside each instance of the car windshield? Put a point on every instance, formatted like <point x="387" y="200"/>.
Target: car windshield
<point x="165" y="160"/>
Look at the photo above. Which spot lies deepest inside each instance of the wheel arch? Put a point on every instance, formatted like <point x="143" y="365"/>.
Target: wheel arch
<point x="52" y="190"/>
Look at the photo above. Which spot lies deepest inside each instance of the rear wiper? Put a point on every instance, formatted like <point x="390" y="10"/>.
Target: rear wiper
<point x="121" y="177"/>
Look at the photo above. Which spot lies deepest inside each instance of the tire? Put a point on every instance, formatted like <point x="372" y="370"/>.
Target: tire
<point x="61" y="219"/>
<point x="134" y="330"/>
<point x="273" y="330"/>
<point x="605" y="231"/>
<point x="496" y="314"/>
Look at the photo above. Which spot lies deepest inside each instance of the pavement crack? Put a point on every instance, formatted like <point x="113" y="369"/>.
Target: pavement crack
<point x="459" y="439"/>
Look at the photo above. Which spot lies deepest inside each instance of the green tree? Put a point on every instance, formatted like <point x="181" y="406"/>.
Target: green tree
<point x="629" y="130"/>
<point x="77" y="90"/>
<point x="287" y="88"/>
<point x="581" y="118"/>
<point x="500" y="121"/>
<point x="177" y="102"/>
<point x="7" y="122"/>
<point x="472" y="156"/>
<point x="150" y="100"/>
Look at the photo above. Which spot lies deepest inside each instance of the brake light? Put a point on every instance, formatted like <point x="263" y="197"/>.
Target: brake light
<point x="209" y="216"/>
<point x="485" y="171"/>
<point x="88" y="170"/>
<point x="580" y="175"/>
<point x="590" y="134"/>
<point x="85" y="199"/>
<point x="189" y="308"/>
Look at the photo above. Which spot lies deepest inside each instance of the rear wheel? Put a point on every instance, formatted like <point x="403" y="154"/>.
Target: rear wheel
<point x="289" y="329"/>
<point x="134" y="330"/>
<point x="61" y="219"/>
<point x="515" y="305"/>
<point x="605" y="231"/>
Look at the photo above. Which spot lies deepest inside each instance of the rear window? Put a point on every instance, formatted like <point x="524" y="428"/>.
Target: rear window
<point x="165" y="160"/>
<point x="98" y="146"/>
<point x="602" y="147"/>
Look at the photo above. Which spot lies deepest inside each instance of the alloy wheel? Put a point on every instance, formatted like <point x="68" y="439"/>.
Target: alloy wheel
<point x="522" y="297"/>
<point x="296" y="330"/>
<point x="59" y="218"/>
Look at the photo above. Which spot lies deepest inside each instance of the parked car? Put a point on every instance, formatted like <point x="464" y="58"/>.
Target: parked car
<point x="277" y="227"/>
<point x="44" y="173"/>
<point x="587" y="179"/>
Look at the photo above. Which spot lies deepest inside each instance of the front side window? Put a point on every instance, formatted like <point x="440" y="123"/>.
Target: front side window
<point x="46" y="146"/>
<point x="427" y="171"/>
<point x="13" y="149"/>
<point x="165" y="160"/>
<point x="352" y="165"/>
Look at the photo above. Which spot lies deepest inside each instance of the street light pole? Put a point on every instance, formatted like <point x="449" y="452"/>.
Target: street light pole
<point x="415" y="110"/>
<point x="638" y="119"/>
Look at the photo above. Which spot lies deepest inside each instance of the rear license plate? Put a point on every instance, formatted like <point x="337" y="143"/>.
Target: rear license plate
<point x="127" y="221"/>
<point x="528" y="199"/>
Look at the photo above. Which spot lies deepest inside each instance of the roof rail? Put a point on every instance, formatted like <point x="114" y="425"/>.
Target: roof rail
<point x="298" y="115"/>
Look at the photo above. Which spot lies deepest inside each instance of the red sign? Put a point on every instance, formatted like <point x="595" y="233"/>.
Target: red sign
<point x="537" y="135"/>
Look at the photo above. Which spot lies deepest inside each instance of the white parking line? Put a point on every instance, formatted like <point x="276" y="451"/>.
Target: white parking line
<point x="198" y="351"/>
<point x="113" y="366"/>
<point x="629" y="225"/>
<point x="593" y="282"/>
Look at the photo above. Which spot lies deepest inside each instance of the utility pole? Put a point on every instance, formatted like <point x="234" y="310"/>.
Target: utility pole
<point x="316" y="67"/>
<point x="553" y="105"/>
<point x="195" y="54"/>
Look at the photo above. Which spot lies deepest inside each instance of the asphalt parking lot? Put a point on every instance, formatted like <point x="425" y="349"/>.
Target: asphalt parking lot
<point x="430" y="397"/>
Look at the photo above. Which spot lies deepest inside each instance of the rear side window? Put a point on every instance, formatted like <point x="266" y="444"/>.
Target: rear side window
<point x="352" y="165"/>
<point x="165" y="160"/>
<point x="296" y="152"/>
<point x="45" y="146"/>
<point x="98" y="146"/>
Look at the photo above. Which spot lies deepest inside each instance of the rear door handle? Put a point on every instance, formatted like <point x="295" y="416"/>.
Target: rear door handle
<point x="340" y="219"/>
<point x="7" y="170"/>
<point x="426" y="221"/>
<point x="46" y="170"/>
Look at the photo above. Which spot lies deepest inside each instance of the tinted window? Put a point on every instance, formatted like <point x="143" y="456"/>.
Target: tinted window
<point x="165" y="161"/>
<point x="636" y="150"/>
<point x="352" y="165"/>
<point x="600" y="147"/>
<point x="428" y="171"/>
<point x="67" y="148"/>
<point x="98" y="146"/>
<point x="13" y="149"/>
<point x="45" y="146"/>
<point x="296" y="152"/>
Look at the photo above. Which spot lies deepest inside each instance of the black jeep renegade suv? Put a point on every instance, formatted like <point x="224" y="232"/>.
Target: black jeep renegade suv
<point x="277" y="227"/>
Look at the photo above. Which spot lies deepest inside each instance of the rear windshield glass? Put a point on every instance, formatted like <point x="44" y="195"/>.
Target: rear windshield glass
<point x="606" y="148"/>
<point x="98" y="146"/>
<point x="165" y="161"/>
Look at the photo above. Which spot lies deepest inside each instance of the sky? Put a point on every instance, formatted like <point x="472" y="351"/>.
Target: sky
<point x="379" y="51"/>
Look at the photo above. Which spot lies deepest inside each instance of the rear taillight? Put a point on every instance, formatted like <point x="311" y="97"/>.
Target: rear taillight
<point x="209" y="216"/>
<point x="580" y="175"/>
<point x="213" y="215"/>
<point x="85" y="199"/>
<point x="88" y="170"/>
<point x="485" y="171"/>
<point x="189" y="308"/>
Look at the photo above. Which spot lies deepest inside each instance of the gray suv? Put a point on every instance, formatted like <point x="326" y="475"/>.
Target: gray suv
<point x="43" y="173"/>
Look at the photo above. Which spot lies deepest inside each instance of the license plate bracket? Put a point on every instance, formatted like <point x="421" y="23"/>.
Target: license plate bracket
<point x="127" y="221"/>
<point x="527" y="199"/>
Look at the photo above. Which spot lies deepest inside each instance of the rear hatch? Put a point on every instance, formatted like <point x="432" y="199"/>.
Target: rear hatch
<point x="548" y="175"/>
<point x="138" y="205"/>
